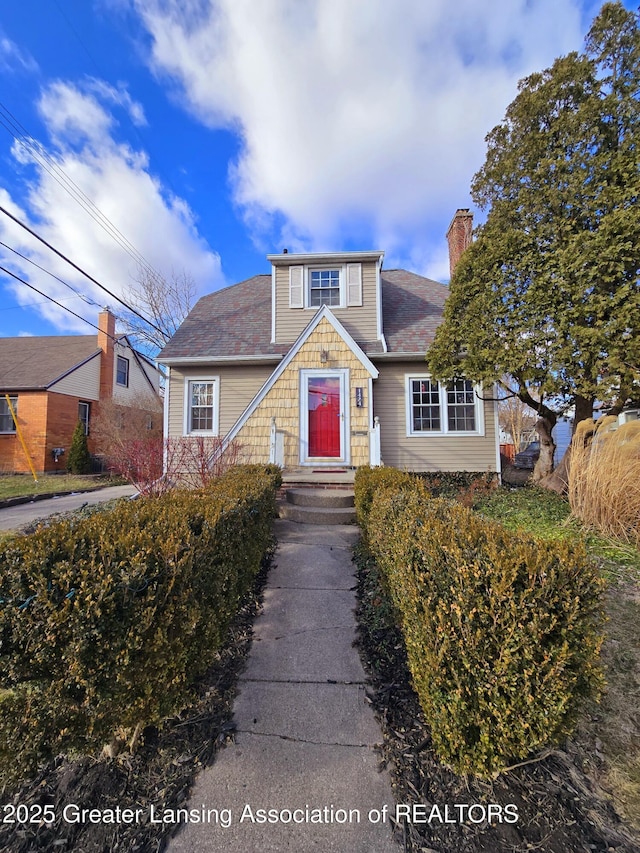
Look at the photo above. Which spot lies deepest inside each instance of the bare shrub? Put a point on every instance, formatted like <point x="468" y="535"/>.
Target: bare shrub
<point x="604" y="477"/>
<point x="155" y="465"/>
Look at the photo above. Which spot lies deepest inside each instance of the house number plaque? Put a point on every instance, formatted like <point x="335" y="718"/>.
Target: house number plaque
<point x="359" y="397"/>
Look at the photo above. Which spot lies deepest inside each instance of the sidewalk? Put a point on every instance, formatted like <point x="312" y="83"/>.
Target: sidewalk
<point x="305" y="732"/>
<point x="16" y="516"/>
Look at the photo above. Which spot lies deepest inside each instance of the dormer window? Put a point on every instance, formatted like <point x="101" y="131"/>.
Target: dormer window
<point x="324" y="288"/>
<point x="337" y="287"/>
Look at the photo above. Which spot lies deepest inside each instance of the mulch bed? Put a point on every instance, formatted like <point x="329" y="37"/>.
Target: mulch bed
<point x="160" y="773"/>
<point x="560" y="808"/>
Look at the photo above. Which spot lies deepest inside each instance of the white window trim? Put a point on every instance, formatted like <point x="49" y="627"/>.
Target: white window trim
<point x="442" y="398"/>
<point x="187" y="405"/>
<point x="342" y="282"/>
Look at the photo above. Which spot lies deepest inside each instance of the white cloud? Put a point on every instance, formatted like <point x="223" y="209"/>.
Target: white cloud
<point x="357" y="120"/>
<point x="117" y="180"/>
<point x="13" y="59"/>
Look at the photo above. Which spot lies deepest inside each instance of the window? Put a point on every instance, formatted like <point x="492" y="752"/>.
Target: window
<point x="337" y="287"/>
<point x="122" y="371"/>
<point x="461" y="409"/>
<point x="6" y="420"/>
<point x="324" y="288"/>
<point x="436" y="408"/>
<point x="84" y="410"/>
<point x="201" y="406"/>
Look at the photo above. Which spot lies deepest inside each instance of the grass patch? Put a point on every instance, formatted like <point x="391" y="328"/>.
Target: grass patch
<point x="23" y="485"/>
<point x="548" y="516"/>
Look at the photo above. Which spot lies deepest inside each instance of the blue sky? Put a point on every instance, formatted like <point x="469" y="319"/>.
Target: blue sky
<point x="211" y="132"/>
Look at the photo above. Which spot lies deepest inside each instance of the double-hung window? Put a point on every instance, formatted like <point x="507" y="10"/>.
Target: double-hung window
<point x="337" y="286"/>
<point x="122" y="371"/>
<point x="84" y="412"/>
<point x="201" y="415"/>
<point x="6" y="420"/>
<point x="324" y="288"/>
<point x="434" y="408"/>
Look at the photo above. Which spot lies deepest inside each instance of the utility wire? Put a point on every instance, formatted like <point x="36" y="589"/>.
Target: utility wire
<point x="53" y="275"/>
<point x="51" y="299"/>
<point x="14" y="127"/>
<point x="80" y="270"/>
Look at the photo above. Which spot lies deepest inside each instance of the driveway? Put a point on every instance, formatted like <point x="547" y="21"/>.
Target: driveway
<point x="14" y="517"/>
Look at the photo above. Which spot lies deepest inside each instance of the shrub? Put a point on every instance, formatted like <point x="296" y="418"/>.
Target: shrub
<point x="502" y="634"/>
<point x="79" y="460"/>
<point x="106" y="621"/>
<point x="370" y="480"/>
<point x="604" y="477"/>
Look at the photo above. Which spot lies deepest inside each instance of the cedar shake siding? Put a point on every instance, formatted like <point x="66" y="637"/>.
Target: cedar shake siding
<point x="283" y="403"/>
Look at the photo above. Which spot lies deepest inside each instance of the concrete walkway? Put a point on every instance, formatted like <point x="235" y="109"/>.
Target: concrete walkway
<point x="305" y="732"/>
<point x="14" y="517"/>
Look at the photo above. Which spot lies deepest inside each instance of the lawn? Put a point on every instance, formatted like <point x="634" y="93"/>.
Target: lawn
<point x="548" y="516"/>
<point x="23" y="485"/>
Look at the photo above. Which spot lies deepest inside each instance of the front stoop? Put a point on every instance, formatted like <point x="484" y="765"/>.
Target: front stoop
<point x="318" y="506"/>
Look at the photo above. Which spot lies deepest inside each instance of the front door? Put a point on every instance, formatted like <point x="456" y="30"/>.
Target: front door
<point x="322" y="413"/>
<point x="323" y="406"/>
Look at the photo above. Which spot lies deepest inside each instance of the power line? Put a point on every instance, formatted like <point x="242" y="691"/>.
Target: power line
<point x="80" y="270"/>
<point x="53" y="275"/>
<point x="51" y="299"/>
<point x="17" y="130"/>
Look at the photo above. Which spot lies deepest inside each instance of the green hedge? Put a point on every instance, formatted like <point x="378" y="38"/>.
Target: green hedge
<point x="369" y="481"/>
<point x="502" y="632"/>
<point x="106" y="621"/>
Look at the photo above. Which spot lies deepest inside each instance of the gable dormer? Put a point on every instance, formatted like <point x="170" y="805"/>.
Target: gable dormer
<point x="348" y="283"/>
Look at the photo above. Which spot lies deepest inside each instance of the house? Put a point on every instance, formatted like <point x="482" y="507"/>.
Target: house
<point x="50" y="383"/>
<point x="320" y="364"/>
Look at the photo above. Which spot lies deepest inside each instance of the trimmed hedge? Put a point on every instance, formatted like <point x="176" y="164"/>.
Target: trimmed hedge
<point x="106" y="621"/>
<point x="502" y="632"/>
<point x="369" y="481"/>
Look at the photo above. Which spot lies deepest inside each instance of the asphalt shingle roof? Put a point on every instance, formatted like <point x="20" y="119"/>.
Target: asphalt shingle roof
<point x="33" y="363"/>
<point x="236" y="321"/>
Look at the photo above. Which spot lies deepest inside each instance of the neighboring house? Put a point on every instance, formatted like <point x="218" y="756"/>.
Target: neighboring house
<point x="52" y="382"/>
<point x="321" y="364"/>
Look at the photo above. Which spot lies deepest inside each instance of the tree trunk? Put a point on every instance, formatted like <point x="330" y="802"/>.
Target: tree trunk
<point x="544" y="465"/>
<point x="558" y="480"/>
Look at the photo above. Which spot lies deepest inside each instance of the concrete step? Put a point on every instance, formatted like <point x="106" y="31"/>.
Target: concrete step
<point x="317" y="515"/>
<point x="321" y="497"/>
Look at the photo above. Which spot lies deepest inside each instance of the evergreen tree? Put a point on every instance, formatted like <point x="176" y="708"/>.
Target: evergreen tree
<point x="548" y="293"/>
<point x="79" y="460"/>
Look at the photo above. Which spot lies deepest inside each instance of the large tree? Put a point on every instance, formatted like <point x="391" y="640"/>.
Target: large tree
<point x="548" y="292"/>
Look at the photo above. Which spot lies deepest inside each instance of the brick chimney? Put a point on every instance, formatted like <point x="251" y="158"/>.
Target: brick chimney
<point x="106" y="335"/>
<point x="459" y="235"/>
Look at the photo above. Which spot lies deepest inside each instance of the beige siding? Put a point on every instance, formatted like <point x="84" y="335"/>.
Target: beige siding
<point x="426" y="453"/>
<point x="359" y="321"/>
<point x="138" y="392"/>
<point x="84" y="382"/>
<point x="282" y="402"/>
<point x="238" y="386"/>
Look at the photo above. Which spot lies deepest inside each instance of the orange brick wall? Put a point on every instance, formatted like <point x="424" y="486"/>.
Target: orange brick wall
<point x="47" y="420"/>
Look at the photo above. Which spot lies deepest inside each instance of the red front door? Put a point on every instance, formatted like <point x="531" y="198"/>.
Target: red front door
<point x="323" y="403"/>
